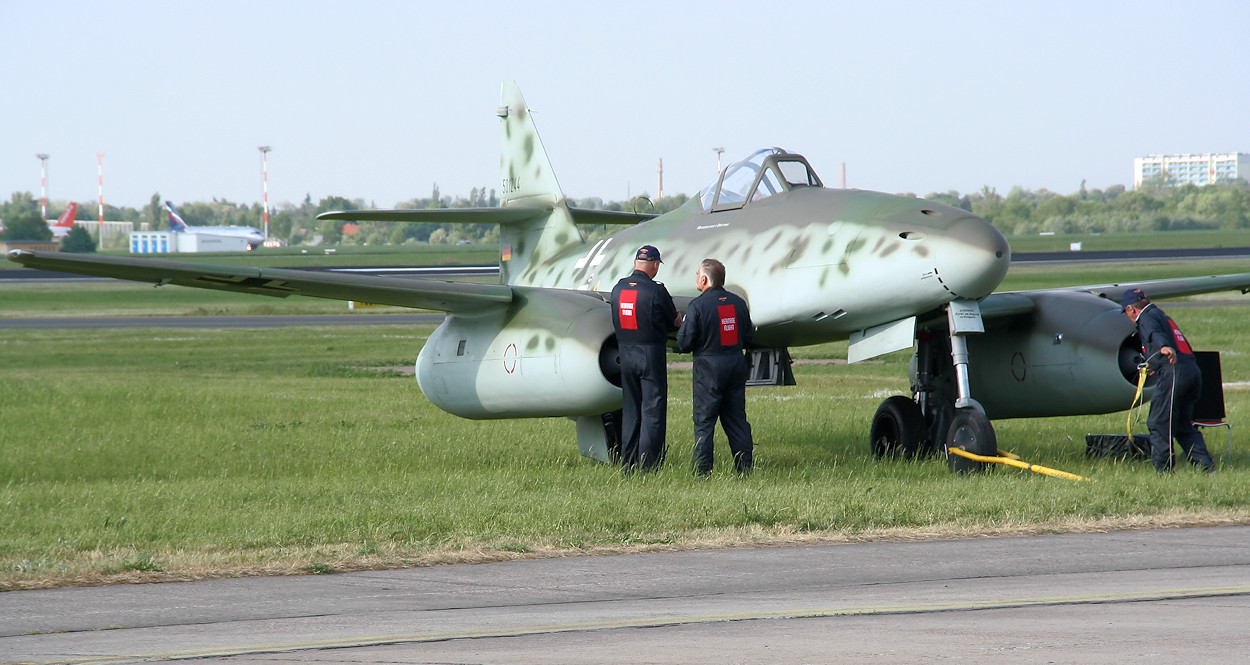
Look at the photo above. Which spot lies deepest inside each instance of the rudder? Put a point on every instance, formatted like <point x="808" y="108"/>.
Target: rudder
<point x="528" y="181"/>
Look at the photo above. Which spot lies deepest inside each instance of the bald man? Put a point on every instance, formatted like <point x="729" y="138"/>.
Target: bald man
<point x="717" y="329"/>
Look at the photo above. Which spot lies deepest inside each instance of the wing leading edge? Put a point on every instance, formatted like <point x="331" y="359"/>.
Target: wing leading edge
<point x="1179" y="287"/>
<point x="1009" y="303"/>
<point x="453" y="297"/>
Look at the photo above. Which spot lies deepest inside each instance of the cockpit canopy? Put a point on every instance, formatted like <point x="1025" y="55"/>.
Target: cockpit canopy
<point x="762" y="174"/>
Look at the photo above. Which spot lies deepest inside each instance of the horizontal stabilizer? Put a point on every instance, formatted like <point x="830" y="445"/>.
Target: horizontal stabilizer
<point x="484" y="215"/>
<point x="587" y="216"/>
<point x="456" y="297"/>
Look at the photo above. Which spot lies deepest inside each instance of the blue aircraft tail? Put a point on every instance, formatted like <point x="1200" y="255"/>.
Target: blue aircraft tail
<point x="176" y="224"/>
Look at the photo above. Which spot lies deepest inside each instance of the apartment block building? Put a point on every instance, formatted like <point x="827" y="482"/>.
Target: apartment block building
<point x="1192" y="169"/>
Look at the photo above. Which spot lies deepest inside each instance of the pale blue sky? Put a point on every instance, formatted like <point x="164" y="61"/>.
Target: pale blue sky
<point x="379" y="100"/>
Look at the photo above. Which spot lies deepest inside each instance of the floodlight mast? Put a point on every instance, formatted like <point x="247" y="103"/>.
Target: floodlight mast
<point x="99" y="158"/>
<point x="43" y="184"/>
<point x="659" y="182"/>
<point x="264" y="158"/>
<point x="718" y="152"/>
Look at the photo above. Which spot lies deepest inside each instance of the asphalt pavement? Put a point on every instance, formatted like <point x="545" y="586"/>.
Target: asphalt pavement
<point x="1147" y="596"/>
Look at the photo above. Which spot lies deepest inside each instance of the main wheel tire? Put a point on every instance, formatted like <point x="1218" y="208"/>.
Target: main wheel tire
<point x="970" y="431"/>
<point x="897" y="428"/>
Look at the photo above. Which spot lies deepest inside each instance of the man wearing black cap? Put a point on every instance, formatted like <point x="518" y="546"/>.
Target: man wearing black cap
<point x="643" y="314"/>
<point x="1177" y="387"/>
<point x="717" y="328"/>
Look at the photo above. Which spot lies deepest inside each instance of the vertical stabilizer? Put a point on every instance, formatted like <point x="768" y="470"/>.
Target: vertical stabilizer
<point x="528" y="181"/>
<point x="176" y="224"/>
<point x="66" y="220"/>
<point x="65" y="223"/>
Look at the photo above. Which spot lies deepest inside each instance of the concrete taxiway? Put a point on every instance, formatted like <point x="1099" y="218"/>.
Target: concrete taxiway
<point x="1165" y="596"/>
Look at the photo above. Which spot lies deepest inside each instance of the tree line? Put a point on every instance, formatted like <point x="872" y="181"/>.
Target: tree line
<point x="1152" y="207"/>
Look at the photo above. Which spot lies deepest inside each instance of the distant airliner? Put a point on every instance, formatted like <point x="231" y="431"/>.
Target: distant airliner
<point x="65" y="222"/>
<point x="177" y="225"/>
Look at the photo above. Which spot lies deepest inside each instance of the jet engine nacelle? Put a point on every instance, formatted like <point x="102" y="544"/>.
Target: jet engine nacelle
<point x="550" y="354"/>
<point x="1073" y="354"/>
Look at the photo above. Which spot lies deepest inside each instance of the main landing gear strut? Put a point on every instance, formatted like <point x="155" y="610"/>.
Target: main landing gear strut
<point x="942" y="414"/>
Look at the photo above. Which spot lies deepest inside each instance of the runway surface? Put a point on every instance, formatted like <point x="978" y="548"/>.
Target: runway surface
<point x="1100" y="256"/>
<point x="1149" y="596"/>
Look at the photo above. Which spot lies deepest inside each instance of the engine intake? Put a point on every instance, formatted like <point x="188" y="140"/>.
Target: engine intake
<point x="550" y="354"/>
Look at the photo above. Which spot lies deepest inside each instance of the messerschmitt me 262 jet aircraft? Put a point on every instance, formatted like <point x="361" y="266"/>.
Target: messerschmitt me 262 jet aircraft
<point x="816" y="264"/>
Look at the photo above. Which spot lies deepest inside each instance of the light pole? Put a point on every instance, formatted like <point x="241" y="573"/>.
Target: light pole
<point x="43" y="184"/>
<point x="99" y="158"/>
<point x="264" y="159"/>
<point x="718" y="152"/>
<point x="659" y="182"/>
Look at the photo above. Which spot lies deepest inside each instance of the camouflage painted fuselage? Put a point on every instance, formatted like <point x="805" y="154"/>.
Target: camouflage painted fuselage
<point x="814" y="264"/>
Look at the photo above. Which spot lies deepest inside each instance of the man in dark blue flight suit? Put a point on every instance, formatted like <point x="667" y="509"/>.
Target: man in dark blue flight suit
<point x="1177" y="388"/>
<point x="717" y="329"/>
<point x="643" y="314"/>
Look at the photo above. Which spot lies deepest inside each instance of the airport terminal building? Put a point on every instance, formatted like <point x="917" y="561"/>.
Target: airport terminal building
<point x="167" y="242"/>
<point x="1192" y="169"/>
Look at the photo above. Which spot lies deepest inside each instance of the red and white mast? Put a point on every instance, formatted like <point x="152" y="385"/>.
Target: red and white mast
<point x="99" y="160"/>
<point x="264" y="158"/>
<point x="43" y="184"/>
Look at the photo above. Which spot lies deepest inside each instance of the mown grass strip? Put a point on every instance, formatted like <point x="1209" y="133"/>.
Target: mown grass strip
<point x="162" y="454"/>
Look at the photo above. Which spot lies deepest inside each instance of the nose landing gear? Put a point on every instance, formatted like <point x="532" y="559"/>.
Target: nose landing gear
<point x="943" y="414"/>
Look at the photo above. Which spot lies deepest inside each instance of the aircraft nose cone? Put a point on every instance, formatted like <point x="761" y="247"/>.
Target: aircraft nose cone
<point x="977" y="258"/>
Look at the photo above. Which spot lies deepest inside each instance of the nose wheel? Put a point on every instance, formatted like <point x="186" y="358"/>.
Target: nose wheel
<point x="970" y="431"/>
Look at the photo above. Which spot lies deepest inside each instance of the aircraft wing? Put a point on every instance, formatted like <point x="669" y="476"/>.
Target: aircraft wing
<point x="485" y="215"/>
<point x="456" y="297"/>
<point x="1010" y="303"/>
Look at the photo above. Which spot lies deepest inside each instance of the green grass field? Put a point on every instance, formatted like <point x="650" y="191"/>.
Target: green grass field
<point x="146" y="454"/>
<point x="1054" y="275"/>
<point x="1129" y="241"/>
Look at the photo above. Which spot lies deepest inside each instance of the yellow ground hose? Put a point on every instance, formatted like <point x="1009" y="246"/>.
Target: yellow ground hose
<point x="1141" y="386"/>
<point x="1013" y="460"/>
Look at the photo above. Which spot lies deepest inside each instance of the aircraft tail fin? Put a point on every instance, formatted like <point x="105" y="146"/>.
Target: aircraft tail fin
<point x="528" y="181"/>
<point x="66" y="220"/>
<point x="176" y="224"/>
